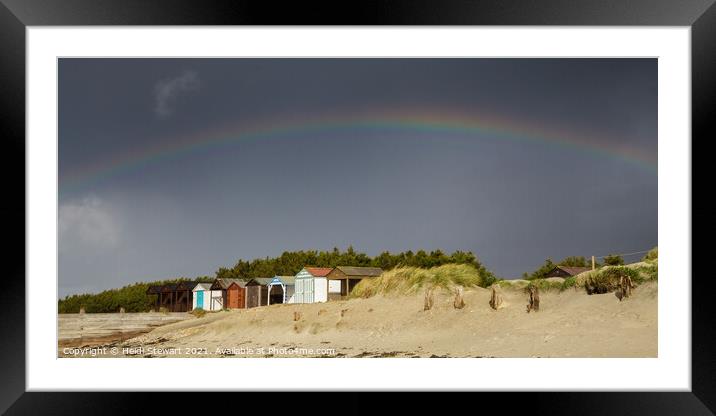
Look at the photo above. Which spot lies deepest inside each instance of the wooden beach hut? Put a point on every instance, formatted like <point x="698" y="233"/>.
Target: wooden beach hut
<point x="312" y="285"/>
<point x="342" y="279"/>
<point x="167" y="297"/>
<point x="257" y="292"/>
<point x="281" y="289"/>
<point x="220" y="290"/>
<point x="155" y="291"/>
<point x="184" y="296"/>
<point x="236" y="295"/>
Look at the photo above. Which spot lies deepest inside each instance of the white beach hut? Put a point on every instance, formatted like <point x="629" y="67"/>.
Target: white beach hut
<point x="202" y="296"/>
<point x="311" y="285"/>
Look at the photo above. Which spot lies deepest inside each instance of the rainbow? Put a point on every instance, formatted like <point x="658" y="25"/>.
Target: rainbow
<point x="445" y="123"/>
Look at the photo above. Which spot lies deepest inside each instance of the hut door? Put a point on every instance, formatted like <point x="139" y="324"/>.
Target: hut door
<point x="252" y="299"/>
<point x="200" y="299"/>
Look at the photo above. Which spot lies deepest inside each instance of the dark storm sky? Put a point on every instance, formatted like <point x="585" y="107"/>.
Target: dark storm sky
<point x="512" y="202"/>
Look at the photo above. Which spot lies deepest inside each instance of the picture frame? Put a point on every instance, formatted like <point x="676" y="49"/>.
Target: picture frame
<point x="16" y="15"/>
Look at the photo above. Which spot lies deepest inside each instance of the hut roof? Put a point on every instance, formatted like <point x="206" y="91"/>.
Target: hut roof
<point x="361" y="271"/>
<point x="263" y="281"/>
<point x="286" y="280"/>
<point x="225" y="283"/>
<point x="186" y="285"/>
<point x="170" y="287"/>
<point x="572" y="271"/>
<point x="318" y="271"/>
<point x="238" y="282"/>
<point x="202" y="286"/>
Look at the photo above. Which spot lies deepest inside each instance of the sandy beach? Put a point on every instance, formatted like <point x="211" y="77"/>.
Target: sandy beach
<point x="568" y="324"/>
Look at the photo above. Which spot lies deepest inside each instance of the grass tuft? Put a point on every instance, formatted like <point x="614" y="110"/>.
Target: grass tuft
<point x="198" y="312"/>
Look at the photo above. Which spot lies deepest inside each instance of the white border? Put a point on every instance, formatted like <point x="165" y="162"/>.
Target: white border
<point x="670" y="371"/>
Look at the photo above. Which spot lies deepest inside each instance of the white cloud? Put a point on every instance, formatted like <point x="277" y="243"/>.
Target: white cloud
<point x="165" y="91"/>
<point x="88" y="223"/>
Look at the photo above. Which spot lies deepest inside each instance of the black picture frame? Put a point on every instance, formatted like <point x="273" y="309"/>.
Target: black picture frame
<point x="15" y="15"/>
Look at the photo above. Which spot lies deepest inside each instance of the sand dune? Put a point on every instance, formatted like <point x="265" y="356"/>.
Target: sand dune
<point x="568" y="324"/>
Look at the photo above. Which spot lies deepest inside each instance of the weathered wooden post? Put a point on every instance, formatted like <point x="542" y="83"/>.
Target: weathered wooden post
<point x="296" y="316"/>
<point x="534" y="299"/>
<point x="625" y="287"/>
<point x="459" y="302"/>
<point x="495" y="299"/>
<point x="428" y="299"/>
<point x="82" y="310"/>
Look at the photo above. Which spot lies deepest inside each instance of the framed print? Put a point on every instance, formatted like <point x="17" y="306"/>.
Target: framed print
<point x="470" y="197"/>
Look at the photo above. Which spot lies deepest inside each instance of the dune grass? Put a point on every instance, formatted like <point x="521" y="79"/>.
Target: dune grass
<point x="513" y="284"/>
<point x="606" y="279"/>
<point x="409" y="280"/>
<point x="602" y="280"/>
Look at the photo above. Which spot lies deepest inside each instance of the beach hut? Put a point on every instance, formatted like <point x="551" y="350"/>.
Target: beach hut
<point x="342" y="279"/>
<point x="219" y="293"/>
<point x="202" y="296"/>
<point x="311" y="285"/>
<point x="167" y="297"/>
<point x="281" y="289"/>
<point x="236" y="295"/>
<point x="155" y="291"/>
<point x="184" y="296"/>
<point x="257" y="291"/>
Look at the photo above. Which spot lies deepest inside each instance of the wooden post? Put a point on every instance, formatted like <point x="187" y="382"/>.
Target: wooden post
<point x="428" y="304"/>
<point x="459" y="302"/>
<point x="592" y="262"/>
<point x="495" y="300"/>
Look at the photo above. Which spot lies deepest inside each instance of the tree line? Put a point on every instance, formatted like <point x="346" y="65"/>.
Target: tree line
<point x="291" y="262"/>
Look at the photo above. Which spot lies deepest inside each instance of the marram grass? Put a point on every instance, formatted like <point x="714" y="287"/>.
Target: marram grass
<point x="410" y="280"/>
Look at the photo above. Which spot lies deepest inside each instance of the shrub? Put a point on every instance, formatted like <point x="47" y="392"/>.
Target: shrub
<point x="607" y="279"/>
<point x="613" y="260"/>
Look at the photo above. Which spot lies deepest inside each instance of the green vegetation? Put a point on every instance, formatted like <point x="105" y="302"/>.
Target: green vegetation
<point x="408" y="280"/>
<point x="613" y="260"/>
<point x="572" y="261"/>
<point x="601" y="280"/>
<point x="134" y="298"/>
<point x="547" y="284"/>
<point x="569" y="282"/>
<point x="606" y="279"/>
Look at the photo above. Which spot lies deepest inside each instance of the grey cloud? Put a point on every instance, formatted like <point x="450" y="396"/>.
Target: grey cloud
<point x="167" y="90"/>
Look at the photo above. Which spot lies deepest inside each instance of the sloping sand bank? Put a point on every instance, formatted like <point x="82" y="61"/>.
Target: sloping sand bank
<point x="568" y="324"/>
